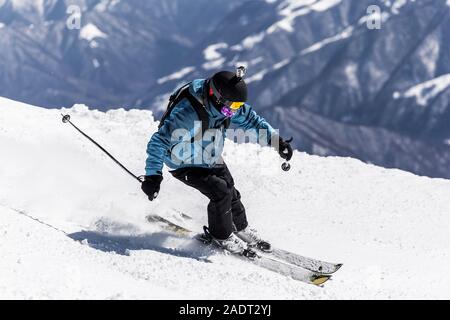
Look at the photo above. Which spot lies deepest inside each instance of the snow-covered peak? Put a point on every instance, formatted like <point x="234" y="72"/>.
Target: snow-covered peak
<point x="176" y="75"/>
<point x="29" y="5"/>
<point x="425" y="91"/>
<point x="249" y="42"/>
<point x="292" y="9"/>
<point x="344" y="34"/>
<point x="90" y="32"/>
<point x="288" y="7"/>
<point x="104" y="5"/>
<point x="213" y="57"/>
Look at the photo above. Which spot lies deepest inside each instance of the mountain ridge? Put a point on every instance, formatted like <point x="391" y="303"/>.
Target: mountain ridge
<point x="312" y="56"/>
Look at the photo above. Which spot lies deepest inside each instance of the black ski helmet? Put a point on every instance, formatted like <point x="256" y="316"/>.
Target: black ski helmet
<point x="230" y="85"/>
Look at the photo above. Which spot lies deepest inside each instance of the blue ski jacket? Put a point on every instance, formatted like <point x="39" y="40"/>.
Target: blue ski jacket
<point x="176" y="143"/>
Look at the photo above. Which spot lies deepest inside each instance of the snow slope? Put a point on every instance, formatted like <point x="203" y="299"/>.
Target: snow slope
<point x="72" y="223"/>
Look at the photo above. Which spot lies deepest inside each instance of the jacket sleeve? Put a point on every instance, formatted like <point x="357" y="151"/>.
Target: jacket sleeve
<point x="156" y="150"/>
<point x="160" y="143"/>
<point x="247" y="119"/>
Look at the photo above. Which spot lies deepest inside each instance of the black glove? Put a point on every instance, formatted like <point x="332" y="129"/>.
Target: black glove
<point x="285" y="149"/>
<point x="151" y="185"/>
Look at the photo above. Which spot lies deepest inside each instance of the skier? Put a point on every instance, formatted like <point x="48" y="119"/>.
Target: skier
<point x="213" y="102"/>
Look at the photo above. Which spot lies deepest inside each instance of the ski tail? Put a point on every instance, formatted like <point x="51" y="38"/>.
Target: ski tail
<point x="168" y="225"/>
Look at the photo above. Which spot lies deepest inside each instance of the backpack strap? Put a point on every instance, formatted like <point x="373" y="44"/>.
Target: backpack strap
<point x="173" y="100"/>
<point x="183" y="93"/>
<point x="227" y="123"/>
<point x="199" y="109"/>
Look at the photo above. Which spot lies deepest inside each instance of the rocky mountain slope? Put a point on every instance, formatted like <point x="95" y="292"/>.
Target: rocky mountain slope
<point x="315" y="58"/>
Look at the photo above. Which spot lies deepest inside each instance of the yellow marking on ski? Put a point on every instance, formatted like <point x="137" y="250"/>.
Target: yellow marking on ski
<point x="169" y="225"/>
<point x="319" y="280"/>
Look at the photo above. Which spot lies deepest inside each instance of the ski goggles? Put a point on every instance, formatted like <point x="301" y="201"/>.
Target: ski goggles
<point x="233" y="105"/>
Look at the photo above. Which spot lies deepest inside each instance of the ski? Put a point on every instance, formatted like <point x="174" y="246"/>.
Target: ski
<point x="269" y="263"/>
<point x="314" y="265"/>
<point x="168" y="225"/>
<point x="289" y="270"/>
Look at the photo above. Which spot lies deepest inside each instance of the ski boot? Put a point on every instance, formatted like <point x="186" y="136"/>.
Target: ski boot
<point x="232" y="244"/>
<point x="253" y="239"/>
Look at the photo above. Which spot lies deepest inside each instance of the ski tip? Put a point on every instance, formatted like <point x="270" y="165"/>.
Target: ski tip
<point x="338" y="266"/>
<point x="328" y="269"/>
<point x="335" y="268"/>
<point x="318" y="280"/>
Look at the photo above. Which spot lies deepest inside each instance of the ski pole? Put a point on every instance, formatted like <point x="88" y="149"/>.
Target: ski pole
<point x="66" y="119"/>
<point x="286" y="166"/>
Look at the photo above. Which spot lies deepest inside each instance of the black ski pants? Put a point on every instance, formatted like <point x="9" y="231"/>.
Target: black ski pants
<point x="226" y="213"/>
